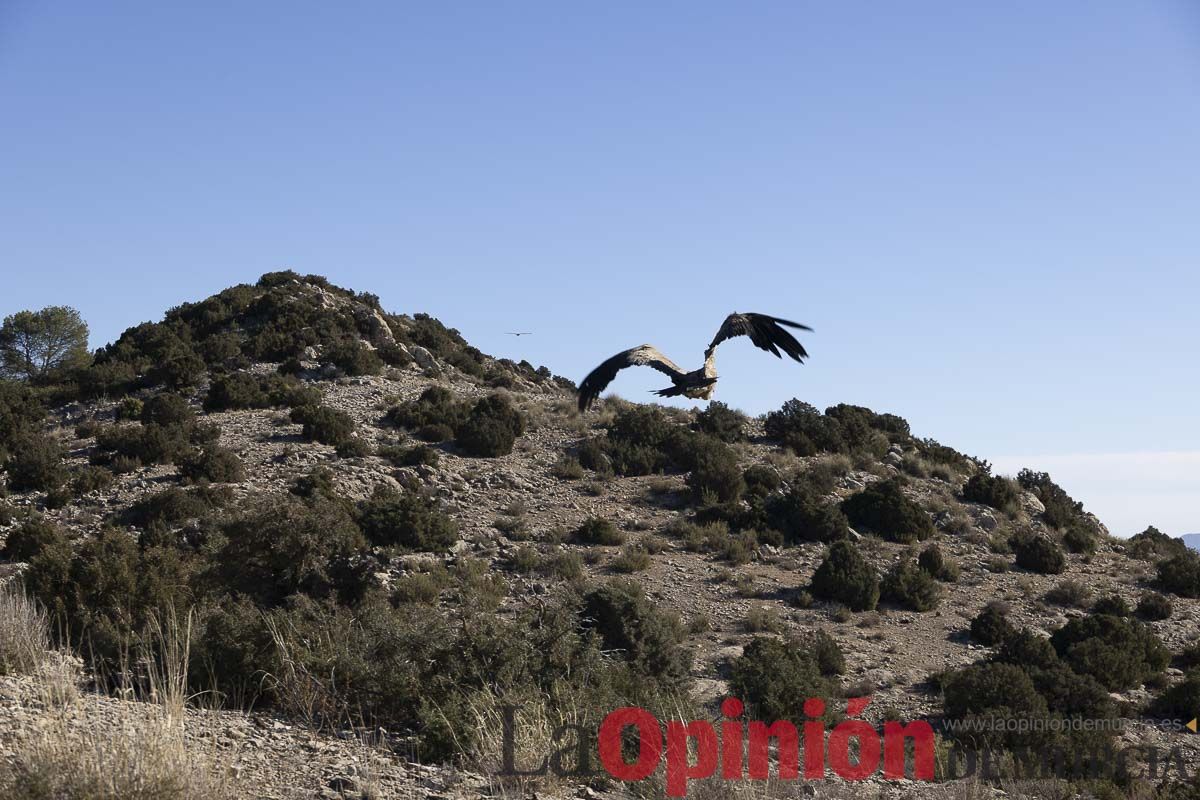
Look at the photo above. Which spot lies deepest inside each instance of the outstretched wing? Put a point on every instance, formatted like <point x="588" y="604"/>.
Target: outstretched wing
<point x="766" y="332"/>
<point x="603" y="375"/>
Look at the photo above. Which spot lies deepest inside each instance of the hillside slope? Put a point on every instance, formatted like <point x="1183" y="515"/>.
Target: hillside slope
<point x="382" y="533"/>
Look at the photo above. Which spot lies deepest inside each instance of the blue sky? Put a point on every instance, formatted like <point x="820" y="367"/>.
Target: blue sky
<point x="987" y="211"/>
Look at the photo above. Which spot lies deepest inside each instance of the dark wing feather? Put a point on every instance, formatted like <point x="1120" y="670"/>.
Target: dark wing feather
<point x="766" y="332"/>
<point x="603" y="375"/>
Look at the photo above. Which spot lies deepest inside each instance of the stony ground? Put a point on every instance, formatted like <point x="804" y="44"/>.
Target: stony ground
<point x="890" y="653"/>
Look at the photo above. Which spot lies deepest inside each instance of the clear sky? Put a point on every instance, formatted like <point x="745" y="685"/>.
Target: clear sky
<point x="988" y="211"/>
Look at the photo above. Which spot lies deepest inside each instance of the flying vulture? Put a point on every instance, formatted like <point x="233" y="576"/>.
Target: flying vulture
<point x="767" y="333"/>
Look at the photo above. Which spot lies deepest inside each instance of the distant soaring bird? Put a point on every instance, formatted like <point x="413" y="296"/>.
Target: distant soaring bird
<point x="518" y="333"/>
<point x="766" y="332"/>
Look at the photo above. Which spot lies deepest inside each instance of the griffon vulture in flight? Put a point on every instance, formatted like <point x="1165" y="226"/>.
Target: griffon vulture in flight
<point x="767" y="333"/>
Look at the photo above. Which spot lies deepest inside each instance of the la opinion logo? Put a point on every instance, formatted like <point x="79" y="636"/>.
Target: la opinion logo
<point x="743" y="750"/>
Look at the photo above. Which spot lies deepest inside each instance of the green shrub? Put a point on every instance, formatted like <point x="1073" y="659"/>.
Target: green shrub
<point x="1026" y="649"/>
<point x="761" y="481"/>
<point x="932" y="561"/>
<point x="632" y="558"/>
<point x="738" y="549"/>
<point x="1071" y="694"/>
<point x="714" y="471"/>
<point x="173" y="505"/>
<point x="883" y="509"/>
<point x="324" y="424"/>
<point x="1179" y="701"/>
<point x="85" y="480"/>
<point x="216" y="464"/>
<point x="20" y="410"/>
<point x="491" y="428"/>
<point x="435" y="406"/>
<point x="774" y="679"/>
<point x="167" y="409"/>
<point x="562" y="565"/>
<point x="628" y="623"/>
<point x="1113" y="605"/>
<point x="708" y="537"/>
<point x="802" y="515"/>
<point x="596" y="530"/>
<point x="827" y="653"/>
<point x="1069" y="593"/>
<point x="803" y="429"/>
<point x="407" y="521"/>
<point x="1081" y="538"/>
<point x="1189" y="657"/>
<point x="1117" y="652"/>
<point x="907" y="585"/>
<point x="282" y="546"/>
<point x="417" y="455"/>
<point x="107" y="589"/>
<point x="34" y="462"/>
<point x="30" y="538"/>
<point x="354" y="448"/>
<point x="845" y="577"/>
<point x="435" y="433"/>
<point x="1062" y="511"/>
<point x="130" y="408"/>
<point x="352" y="357"/>
<point x="721" y="422"/>
<point x="1180" y="574"/>
<point x="1154" y="607"/>
<point x="894" y="427"/>
<point x="1152" y="545"/>
<point x="155" y="442"/>
<point x="991" y="626"/>
<point x="241" y="390"/>
<point x="1040" y="554"/>
<point x="992" y="490"/>
<point x="992" y="691"/>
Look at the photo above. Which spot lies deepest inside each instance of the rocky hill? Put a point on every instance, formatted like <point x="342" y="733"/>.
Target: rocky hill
<point x="286" y="544"/>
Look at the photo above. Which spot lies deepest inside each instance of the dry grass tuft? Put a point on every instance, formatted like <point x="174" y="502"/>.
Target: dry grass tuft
<point x="115" y="750"/>
<point x="87" y="757"/>
<point x="24" y="633"/>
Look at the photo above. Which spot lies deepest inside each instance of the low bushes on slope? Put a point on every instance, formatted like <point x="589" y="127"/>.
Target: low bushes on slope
<point x="996" y="491"/>
<point x="1039" y="554"/>
<point x="642" y="441"/>
<point x="883" y="509"/>
<point x="1119" y="653"/>
<point x="991" y="626"/>
<point x="909" y="586"/>
<point x="215" y="464"/>
<point x="324" y="424"/>
<point x="774" y="678"/>
<point x="721" y="422"/>
<point x="1026" y="680"/>
<point x="242" y="390"/>
<point x="1152" y="545"/>
<point x="802" y="515"/>
<point x="936" y="564"/>
<point x="1180" y="574"/>
<point x="34" y="461"/>
<point x="488" y="427"/>
<point x="407" y="521"/>
<point x="844" y="576"/>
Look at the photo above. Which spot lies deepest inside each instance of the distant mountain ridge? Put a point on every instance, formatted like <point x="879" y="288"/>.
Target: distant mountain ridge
<point x="1192" y="540"/>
